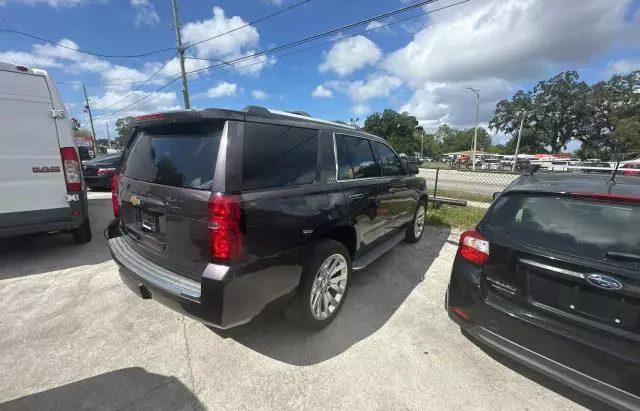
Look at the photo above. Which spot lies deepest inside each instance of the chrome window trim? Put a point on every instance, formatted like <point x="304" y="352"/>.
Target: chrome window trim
<point x="558" y="270"/>
<point x="335" y="158"/>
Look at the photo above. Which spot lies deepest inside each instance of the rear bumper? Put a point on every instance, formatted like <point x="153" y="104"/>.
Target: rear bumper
<point x="224" y="297"/>
<point x="604" y="367"/>
<point x="98" y="181"/>
<point x="42" y="221"/>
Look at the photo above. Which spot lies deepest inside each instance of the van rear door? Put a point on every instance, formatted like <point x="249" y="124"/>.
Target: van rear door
<point x="31" y="173"/>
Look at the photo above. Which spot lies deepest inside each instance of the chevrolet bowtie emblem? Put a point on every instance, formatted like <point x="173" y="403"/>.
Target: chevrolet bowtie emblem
<point x="135" y="200"/>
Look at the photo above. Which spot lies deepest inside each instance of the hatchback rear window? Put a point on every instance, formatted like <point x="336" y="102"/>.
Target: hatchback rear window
<point x="580" y="227"/>
<point x="178" y="155"/>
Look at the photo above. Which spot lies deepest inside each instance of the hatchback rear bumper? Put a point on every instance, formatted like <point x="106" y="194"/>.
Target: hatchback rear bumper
<point x="604" y="368"/>
<point x="223" y="297"/>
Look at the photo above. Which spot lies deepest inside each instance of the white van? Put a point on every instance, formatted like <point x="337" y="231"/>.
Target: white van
<point x="41" y="184"/>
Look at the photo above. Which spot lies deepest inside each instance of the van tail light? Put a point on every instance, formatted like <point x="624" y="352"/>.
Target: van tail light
<point x="114" y="194"/>
<point x="474" y="247"/>
<point x="71" y="165"/>
<point x="225" y="237"/>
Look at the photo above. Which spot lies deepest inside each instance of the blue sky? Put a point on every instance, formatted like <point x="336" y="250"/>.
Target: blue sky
<point x="422" y="65"/>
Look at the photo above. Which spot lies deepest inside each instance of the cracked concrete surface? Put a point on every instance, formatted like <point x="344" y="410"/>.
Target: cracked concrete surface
<point x="73" y="337"/>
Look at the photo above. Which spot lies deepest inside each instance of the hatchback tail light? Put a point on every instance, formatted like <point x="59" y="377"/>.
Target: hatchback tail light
<point x="474" y="247"/>
<point x="225" y="237"/>
<point x="114" y="194"/>
<point x="71" y="165"/>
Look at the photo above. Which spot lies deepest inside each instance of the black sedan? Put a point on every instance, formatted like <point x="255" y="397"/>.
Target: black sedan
<point x="99" y="171"/>
<point x="550" y="278"/>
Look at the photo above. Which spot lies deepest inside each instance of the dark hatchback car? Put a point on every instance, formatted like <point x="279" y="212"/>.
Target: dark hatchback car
<point x="99" y="171"/>
<point x="222" y="214"/>
<point x="551" y="278"/>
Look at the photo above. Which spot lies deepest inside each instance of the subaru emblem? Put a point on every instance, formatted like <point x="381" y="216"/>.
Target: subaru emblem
<point x="603" y="281"/>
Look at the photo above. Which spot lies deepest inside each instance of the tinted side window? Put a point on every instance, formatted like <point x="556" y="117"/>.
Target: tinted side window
<point x="391" y="165"/>
<point x="278" y="156"/>
<point x="345" y="171"/>
<point x="361" y="157"/>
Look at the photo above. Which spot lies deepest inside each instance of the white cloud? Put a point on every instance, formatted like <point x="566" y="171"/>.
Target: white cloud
<point x="230" y="44"/>
<point x="378" y="27"/>
<point x="623" y="66"/>
<point x="510" y="39"/>
<point x="28" y="59"/>
<point x="360" y="109"/>
<point x="52" y="3"/>
<point x="222" y="89"/>
<point x="145" y="13"/>
<point x="277" y="2"/>
<point x="349" y="55"/>
<point x="322" y="92"/>
<point x="259" y="95"/>
<point x="496" y="45"/>
<point x="376" y="85"/>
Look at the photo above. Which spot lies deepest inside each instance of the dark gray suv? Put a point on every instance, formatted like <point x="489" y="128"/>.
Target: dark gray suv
<point x="221" y="213"/>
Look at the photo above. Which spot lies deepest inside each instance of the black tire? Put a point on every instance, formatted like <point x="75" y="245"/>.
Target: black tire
<point x="83" y="234"/>
<point x="410" y="235"/>
<point x="299" y="309"/>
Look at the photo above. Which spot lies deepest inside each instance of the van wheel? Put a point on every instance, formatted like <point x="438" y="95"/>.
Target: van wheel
<point x="416" y="228"/>
<point x="82" y="234"/>
<point x="323" y="288"/>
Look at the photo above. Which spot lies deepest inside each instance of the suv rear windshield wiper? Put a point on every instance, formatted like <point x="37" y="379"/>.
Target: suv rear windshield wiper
<point x="622" y="256"/>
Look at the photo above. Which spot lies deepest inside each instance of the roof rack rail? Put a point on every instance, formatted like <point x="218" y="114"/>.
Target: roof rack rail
<point x="300" y="113"/>
<point x="256" y="110"/>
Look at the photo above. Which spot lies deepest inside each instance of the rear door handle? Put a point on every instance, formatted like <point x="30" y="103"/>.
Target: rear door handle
<point x="356" y="196"/>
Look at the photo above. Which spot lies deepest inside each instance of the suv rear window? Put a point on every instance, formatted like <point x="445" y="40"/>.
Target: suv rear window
<point x="278" y="156"/>
<point x="178" y="155"/>
<point x="580" y="227"/>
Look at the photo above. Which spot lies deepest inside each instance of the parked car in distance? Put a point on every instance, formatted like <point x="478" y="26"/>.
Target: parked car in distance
<point x="550" y="278"/>
<point x="222" y="213"/>
<point x="491" y="164"/>
<point x="99" y="171"/>
<point x="41" y="183"/>
<point x="630" y="169"/>
<point x="594" y="167"/>
<point x="560" y="166"/>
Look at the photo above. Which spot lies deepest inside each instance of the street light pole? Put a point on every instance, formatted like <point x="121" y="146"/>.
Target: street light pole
<point x="108" y="136"/>
<point x="176" y="25"/>
<point x="87" y="107"/>
<point x="475" y="133"/>
<point x="515" y="157"/>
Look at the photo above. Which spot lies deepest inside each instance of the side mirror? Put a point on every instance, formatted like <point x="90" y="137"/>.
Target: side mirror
<point x="413" y="169"/>
<point x="496" y="194"/>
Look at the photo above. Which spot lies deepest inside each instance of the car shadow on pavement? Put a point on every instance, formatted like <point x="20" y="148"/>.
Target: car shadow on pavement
<point x="128" y="388"/>
<point x="374" y="296"/>
<point x="41" y="253"/>
<point x="547" y="382"/>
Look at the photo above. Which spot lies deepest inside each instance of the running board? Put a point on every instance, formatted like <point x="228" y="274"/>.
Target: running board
<point x="378" y="251"/>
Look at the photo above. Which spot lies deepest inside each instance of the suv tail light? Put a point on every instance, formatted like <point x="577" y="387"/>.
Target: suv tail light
<point x="225" y="237"/>
<point x="474" y="247"/>
<point x="71" y="165"/>
<point x="114" y="194"/>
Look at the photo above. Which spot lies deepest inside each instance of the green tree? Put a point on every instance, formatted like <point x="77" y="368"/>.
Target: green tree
<point x="556" y="110"/>
<point x="530" y="143"/>
<point x="390" y="123"/>
<point x="124" y="128"/>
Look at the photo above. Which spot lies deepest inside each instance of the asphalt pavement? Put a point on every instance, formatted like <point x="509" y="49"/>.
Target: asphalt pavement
<point x="73" y="337"/>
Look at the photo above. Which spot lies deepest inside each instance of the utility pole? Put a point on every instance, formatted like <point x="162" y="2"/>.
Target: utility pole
<point x="108" y="136"/>
<point x="93" y="130"/>
<point x="475" y="133"/>
<point x="515" y="157"/>
<point x="176" y="25"/>
<point x="422" y="144"/>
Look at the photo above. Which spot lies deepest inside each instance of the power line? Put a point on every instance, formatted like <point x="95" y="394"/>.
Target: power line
<point x="320" y="35"/>
<point x="339" y="39"/>
<point x="388" y="14"/>
<point x="251" y="23"/>
<point x="142" y="84"/>
<point x="91" y="53"/>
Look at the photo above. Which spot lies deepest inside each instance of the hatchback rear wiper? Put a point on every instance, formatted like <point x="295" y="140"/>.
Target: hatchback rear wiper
<point x="622" y="256"/>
